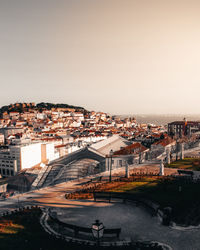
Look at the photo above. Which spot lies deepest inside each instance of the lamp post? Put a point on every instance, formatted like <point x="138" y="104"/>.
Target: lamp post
<point x="18" y="201"/>
<point x="176" y="148"/>
<point x="111" y="154"/>
<point x="97" y="231"/>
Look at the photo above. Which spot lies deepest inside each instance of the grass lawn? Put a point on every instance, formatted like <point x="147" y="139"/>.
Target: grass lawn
<point x="186" y="163"/>
<point x="23" y="231"/>
<point x="185" y="203"/>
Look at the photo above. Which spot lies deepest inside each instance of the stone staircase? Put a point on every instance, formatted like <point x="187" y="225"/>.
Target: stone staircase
<point x="39" y="177"/>
<point x="52" y="174"/>
<point x="47" y="175"/>
<point x="66" y="173"/>
<point x="74" y="170"/>
<point x="58" y="173"/>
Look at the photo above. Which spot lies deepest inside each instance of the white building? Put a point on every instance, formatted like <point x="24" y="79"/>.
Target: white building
<point x="23" y="156"/>
<point x="1" y="139"/>
<point x="41" y="116"/>
<point x="27" y="155"/>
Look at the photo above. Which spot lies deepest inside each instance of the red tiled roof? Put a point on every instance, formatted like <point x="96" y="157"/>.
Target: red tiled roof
<point x="164" y="142"/>
<point x="130" y="149"/>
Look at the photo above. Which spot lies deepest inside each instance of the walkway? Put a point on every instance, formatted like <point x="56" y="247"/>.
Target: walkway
<point x="135" y="222"/>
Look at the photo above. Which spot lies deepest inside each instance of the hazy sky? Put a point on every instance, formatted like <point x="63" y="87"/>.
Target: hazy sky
<point x="117" y="56"/>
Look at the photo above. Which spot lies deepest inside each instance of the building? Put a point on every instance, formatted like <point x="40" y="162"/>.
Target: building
<point x="1" y="139"/>
<point x="8" y="164"/>
<point x="23" y="156"/>
<point x="183" y="128"/>
<point x="114" y="143"/>
<point x="131" y="154"/>
<point x="161" y="146"/>
<point x="11" y="131"/>
<point x="3" y="187"/>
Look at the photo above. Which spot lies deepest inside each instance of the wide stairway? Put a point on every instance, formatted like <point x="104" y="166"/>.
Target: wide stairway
<point x="54" y="171"/>
<point x="46" y="175"/>
<point x="75" y="170"/>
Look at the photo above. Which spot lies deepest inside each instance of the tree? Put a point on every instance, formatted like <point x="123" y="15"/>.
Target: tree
<point x="162" y="136"/>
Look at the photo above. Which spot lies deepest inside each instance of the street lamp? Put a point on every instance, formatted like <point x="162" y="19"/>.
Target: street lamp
<point x="18" y="201"/>
<point x="97" y="230"/>
<point x="111" y="154"/>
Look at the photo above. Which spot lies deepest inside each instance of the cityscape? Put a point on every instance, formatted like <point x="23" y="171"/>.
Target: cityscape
<point x="55" y="157"/>
<point x="99" y="125"/>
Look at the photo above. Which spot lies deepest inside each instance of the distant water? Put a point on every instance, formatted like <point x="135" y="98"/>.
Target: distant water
<point x="164" y="119"/>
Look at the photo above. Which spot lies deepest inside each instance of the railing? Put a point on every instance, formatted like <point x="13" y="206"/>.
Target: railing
<point x="78" y="229"/>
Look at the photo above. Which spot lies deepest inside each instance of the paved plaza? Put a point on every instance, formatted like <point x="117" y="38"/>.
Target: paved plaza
<point x="136" y="222"/>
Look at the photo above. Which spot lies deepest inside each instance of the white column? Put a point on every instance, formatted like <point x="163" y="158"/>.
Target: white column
<point x="182" y="151"/>
<point x="127" y="171"/>
<point x="107" y="164"/>
<point x="140" y="158"/>
<point x="168" y="155"/>
<point x="161" y="168"/>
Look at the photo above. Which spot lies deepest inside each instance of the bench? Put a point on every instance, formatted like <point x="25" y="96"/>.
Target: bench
<point x="101" y="195"/>
<point x="78" y="229"/>
<point x="187" y="172"/>
<point x="98" y="178"/>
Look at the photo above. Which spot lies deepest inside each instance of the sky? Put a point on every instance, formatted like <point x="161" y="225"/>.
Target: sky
<point x="115" y="56"/>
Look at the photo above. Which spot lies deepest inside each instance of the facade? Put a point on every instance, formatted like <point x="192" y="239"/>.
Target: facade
<point x="8" y="164"/>
<point x="183" y="128"/>
<point x="27" y="155"/>
<point x="3" y="187"/>
<point x="23" y="156"/>
<point x="10" y="131"/>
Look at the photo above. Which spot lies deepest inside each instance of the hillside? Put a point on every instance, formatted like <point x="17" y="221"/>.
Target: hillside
<point x="23" y="107"/>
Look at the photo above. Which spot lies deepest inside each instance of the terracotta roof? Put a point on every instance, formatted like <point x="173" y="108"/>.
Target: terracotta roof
<point x="164" y="142"/>
<point x="131" y="149"/>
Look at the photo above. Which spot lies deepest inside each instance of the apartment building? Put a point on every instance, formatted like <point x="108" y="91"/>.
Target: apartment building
<point x="8" y="164"/>
<point x="184" y="127"/>
<point x="23" y="156"/>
